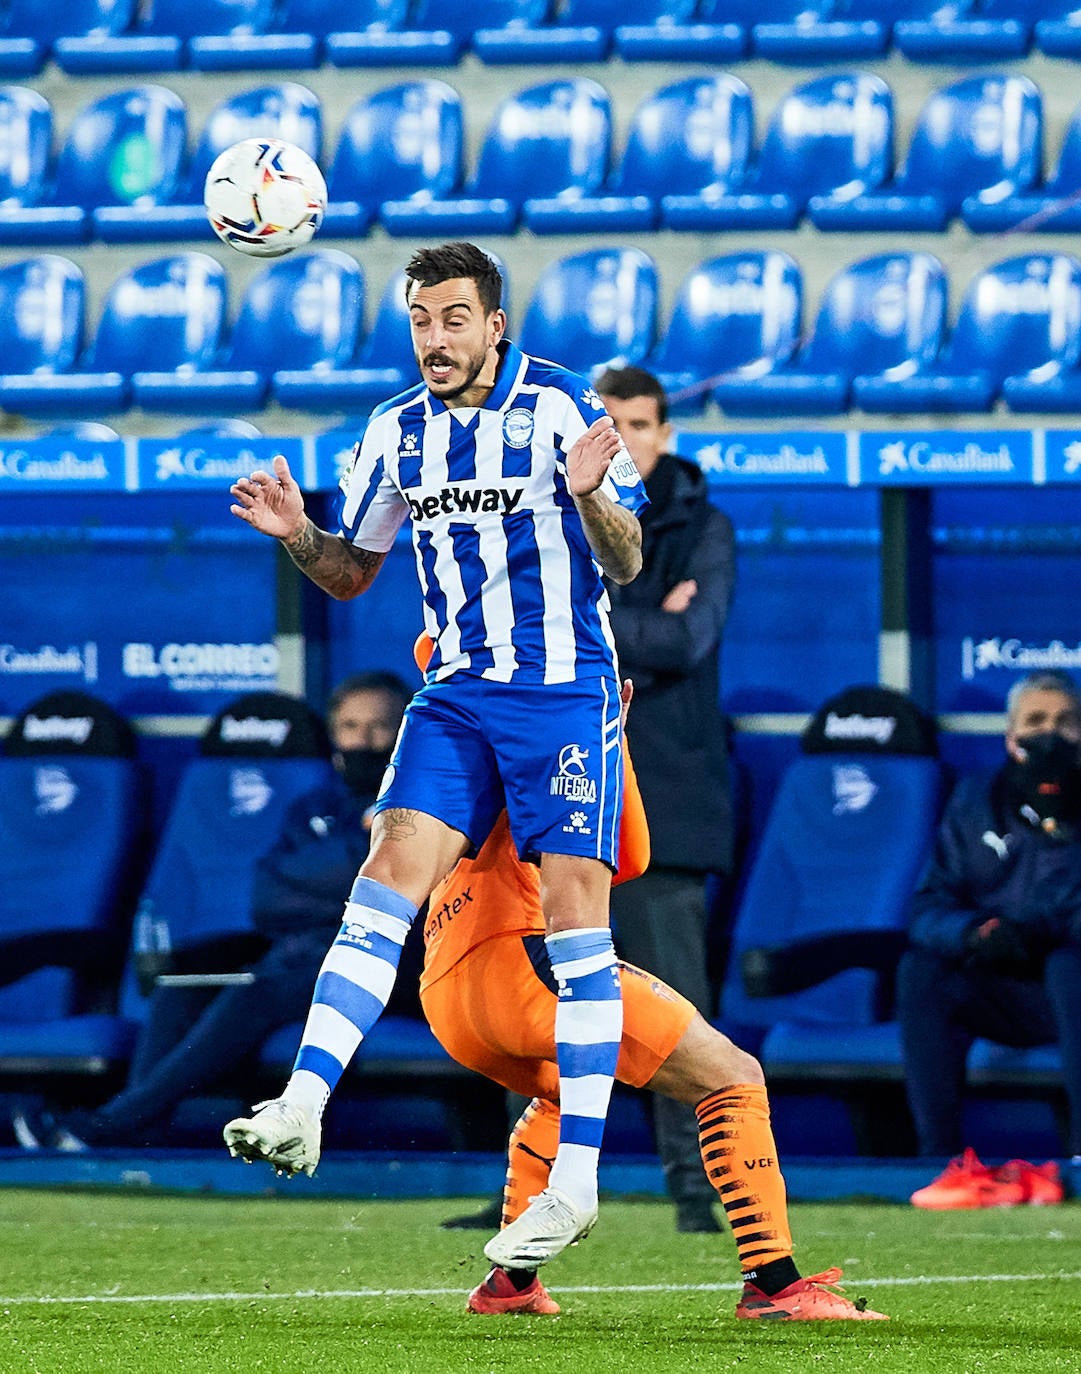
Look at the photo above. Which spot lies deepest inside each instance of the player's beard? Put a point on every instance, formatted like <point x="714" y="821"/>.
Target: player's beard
<point x="449" y="391"/>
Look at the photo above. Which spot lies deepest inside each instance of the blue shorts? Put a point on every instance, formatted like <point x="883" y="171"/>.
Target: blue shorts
<point x="552" y="754"/>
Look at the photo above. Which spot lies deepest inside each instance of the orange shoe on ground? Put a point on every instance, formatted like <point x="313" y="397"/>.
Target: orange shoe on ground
<point x="806" y="1300"/>
<point x="497" y="1294"/>
<point x="1041" y="1184"/>
<point x="966" y="1182"/>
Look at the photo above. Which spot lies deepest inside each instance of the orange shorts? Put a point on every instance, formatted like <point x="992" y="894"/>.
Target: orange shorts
<point x="494" y="1013"/>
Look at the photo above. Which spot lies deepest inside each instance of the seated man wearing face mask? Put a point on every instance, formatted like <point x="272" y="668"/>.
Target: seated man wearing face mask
<point x="193" y="1035"/>
<point x="995" y="936"/>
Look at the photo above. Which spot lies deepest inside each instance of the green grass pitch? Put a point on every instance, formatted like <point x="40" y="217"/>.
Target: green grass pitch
<point x="117" y="1282"/>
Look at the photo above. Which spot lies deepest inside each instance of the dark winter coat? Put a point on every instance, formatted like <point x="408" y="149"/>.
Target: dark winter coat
<point x="990" y="860"/>
<point x="676" y="730"/>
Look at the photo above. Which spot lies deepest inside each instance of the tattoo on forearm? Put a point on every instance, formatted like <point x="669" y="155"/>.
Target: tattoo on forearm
<point x="614" y="535"/>
<point x="339" y="568"/>
<point x="398" y="823"/>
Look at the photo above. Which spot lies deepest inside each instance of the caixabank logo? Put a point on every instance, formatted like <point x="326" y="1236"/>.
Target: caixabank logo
<point x="1014" y="654"/>
<point x="1062" y="455"/>
<point x="50" y="464"/>
<point x="62" y="661"/>
<point x="940" y="456"/>
<point x="803" y="458"/>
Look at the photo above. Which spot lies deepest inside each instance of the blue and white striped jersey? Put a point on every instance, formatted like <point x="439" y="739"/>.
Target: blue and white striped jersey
<point x="511" y="589"/>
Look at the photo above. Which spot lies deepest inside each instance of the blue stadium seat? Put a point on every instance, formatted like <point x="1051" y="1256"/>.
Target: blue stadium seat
<point x="254" y="35"/>
<point x="362" y="33"/>
<point x="42" y="309"/>
<point x="282" y="109"/>
<point x="171" y="310"/>
<point x="849" y="832"/>
<point x="1058" y="28"/>
<point x="257" y="756"/>
<point x="775" y="27"/>
<point x="830" y="139"/>
<point x="31" y="31"/>
<point x="965" y="30"/>
<point x="122" y="150"/>
<point x="84" y="431"/>
<point x="1019" y="320"/>
<point x="384" y="364"/>
<point x="676" y="31"/>
<point x="302" y="313"/>
<point x="72" y="855"/>
<point x="545" y="146"/>
<point x="589" y="30"/>
<point x="978" y="136"/>
<point x="593" y="310"/>
<point x="686" y="141"/>
<point x="168" y="34"/>
<point x="26" y="134"/>
<point x="882" y="316"/>
<point x="402" y="144"/>
<point x="1049" y="207"/>
<point x="738" y="314"/>
<point x="432" y="33"/>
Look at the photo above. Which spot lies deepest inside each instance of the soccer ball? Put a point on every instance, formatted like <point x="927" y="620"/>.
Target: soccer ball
<point x="265" y="197"/>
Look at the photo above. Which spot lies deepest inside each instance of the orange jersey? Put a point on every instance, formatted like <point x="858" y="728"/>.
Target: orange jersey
<point x="497" y="894"/>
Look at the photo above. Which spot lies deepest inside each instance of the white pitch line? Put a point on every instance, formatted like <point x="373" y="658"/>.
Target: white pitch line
<point x="306" y="1294"/>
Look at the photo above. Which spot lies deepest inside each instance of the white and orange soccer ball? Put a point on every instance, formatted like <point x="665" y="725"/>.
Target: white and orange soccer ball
<point x="265" y="197"/>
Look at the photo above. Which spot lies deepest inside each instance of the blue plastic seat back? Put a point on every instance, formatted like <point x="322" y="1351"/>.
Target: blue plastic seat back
<point x="42" y="307"/>
<point x="389" y="342"/>
<point x="462" y="18"/>
<point x="397" y="142"/>
<point x="751" y="12"/>
<point x="883" y="314"/>
<point x="844" y="845"/>
<point x="978" y="133"/>
<point x="304" y="311"/>
<point x="284" y="110"/>
<point x="546" y="140"/>
<point x="261" y="753"/>
<point x="194" y="18"/>
<point x="831" y="135"/>
<point x="341" y="16"/>
<point x="124" y="149"/>
<point x="32" y="19"/>
<point x="163" y="315"/>
<point x="609" y="14"/>
<point x="71" y="837"/>
<point x="942" y="10"/>
<point x="1018" y="315"/>
<point x="740" y="310"/>
<point x="687" y="136"/>
<point x="1066" y="177"/>
<point x="593" y="308"/>
<point x="26" y="131"/>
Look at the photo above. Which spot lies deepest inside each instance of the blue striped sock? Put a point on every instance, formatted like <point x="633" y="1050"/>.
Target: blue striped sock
<point x="352" y="989"/>
<point x="589" y="1027"/>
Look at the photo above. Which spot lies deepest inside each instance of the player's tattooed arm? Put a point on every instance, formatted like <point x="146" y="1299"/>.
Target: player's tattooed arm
<point x="399" y="823"/>
<point x="614" y="535"/>
<point x="342" y="570"/>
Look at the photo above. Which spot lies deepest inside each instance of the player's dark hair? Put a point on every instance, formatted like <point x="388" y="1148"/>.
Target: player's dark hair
<point x="376" y="680"/>
<point x="627" y="383"/>
<point x="430" y="266"/>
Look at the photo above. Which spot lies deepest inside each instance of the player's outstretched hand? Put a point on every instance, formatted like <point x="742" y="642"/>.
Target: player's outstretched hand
<point x="270" y="502"/>
<point x="591" y="456"/>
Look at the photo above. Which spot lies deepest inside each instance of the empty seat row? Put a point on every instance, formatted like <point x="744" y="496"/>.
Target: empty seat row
<point x="690" y="161"/>
<point x="881" y="339"/>
<point x="87" y="36"/>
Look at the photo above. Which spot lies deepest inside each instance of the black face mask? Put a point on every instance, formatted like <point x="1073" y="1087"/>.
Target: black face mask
<point x="1049" y="780"/>
<point x="362" y="770"/>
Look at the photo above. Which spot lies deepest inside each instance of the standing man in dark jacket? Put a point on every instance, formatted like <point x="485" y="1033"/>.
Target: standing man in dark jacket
<point x="668" y="625"/>
<point x="995" y="936"/>
<point x="193" y="1035"/>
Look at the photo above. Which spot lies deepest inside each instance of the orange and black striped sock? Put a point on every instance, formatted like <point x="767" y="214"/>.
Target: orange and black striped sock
<point x="533" y="1144"/>
<point x="740" y="1158"/>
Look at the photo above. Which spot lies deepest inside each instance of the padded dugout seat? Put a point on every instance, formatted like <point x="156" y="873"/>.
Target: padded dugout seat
<point x="42" y="309"/>
<point x="72" y="855"/>
<point x="257" y="756"/>
<point x="821" y="920"/>
<point x="1048" y="207"/>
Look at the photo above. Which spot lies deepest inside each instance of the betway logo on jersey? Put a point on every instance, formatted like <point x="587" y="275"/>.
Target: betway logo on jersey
<point x="570" y="780"/>
<point x="54" y="729"/>
<point x="857" y="727"/>
<point x="465" y="498"/>
<point x="978" y="656"/>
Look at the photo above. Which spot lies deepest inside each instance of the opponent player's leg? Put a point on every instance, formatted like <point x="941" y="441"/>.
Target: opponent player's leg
<point x="727" y="1089"/>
